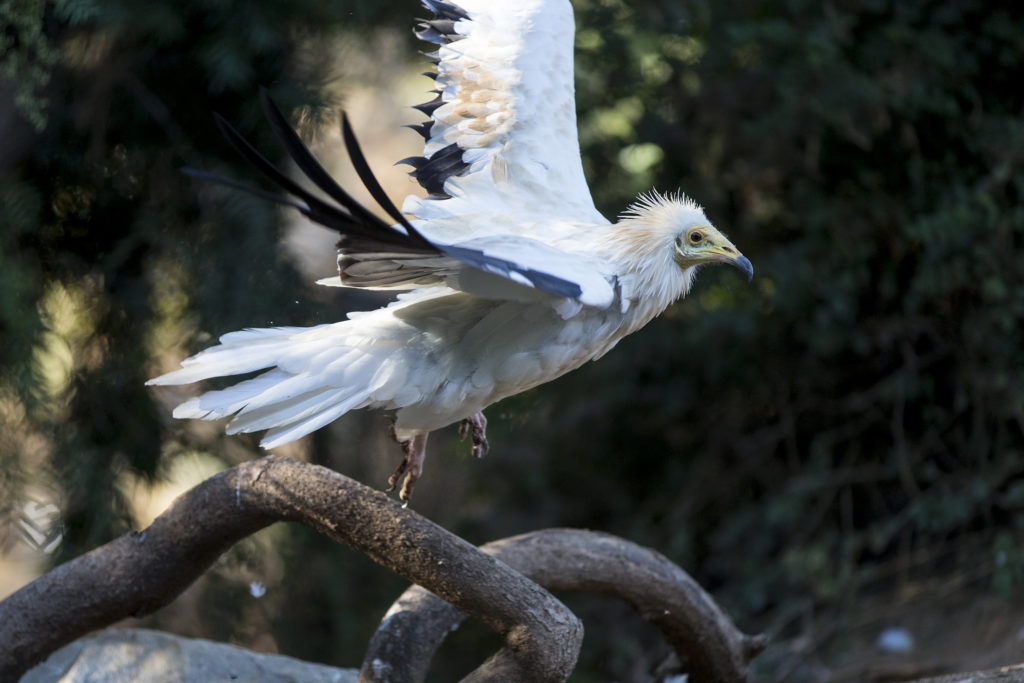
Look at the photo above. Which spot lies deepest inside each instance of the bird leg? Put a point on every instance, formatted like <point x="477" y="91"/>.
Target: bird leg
<point x="476" y="426"/>
<point x="415" y="450"/>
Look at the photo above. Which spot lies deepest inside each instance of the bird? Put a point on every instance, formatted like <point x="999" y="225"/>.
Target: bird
<point x="504" y="276"/>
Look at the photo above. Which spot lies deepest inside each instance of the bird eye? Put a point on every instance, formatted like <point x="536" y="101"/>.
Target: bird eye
<point x="696" y="237"/>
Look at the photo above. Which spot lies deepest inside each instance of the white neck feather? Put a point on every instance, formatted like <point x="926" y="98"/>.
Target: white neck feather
<point x="641" y="245"/>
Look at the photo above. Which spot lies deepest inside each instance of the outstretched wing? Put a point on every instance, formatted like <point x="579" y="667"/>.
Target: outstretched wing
<point x="502" y="131"/>
<point x="375" y="255"/>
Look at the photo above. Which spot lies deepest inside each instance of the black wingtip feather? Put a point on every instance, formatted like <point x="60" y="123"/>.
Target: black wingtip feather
<point x="432" y="172"/>
<point x="445" y="10"/>
<point x="428" y="108"/>
<point x="206" y="176"/>
<point x="415" y="162"/>
<point x="422" y="128"/>
<point x="305" y="160"/>
<point x="437" y="31"/>
<point x="357" y="220"/>
<point x="372" y="185"/>
<point x="442" y="26"/>
<point x="260" y="162"/>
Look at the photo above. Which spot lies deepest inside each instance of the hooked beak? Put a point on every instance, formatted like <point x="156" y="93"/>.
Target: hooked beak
<point x="742" y="263"/>
<point x="730" y="255"/>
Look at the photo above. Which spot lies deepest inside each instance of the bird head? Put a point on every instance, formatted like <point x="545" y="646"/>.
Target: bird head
<point x="661" y="241"/>
<point x="698" y="242"/>
<point x="657" y="225"/>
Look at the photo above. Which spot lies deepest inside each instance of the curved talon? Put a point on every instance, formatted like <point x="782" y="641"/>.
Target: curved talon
<point x="397" y="475"/>
<point x="476" y="426"/>
<point x="415" y="450"/>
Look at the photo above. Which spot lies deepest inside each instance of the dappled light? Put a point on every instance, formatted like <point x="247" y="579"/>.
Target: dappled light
<point x="833" y="451"/>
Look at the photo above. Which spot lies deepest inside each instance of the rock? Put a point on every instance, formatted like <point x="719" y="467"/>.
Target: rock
<point x="130" y="655"/>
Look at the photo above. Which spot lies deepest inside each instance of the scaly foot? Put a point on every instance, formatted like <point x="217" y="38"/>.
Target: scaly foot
<point x="476" y="426"/>
<point x="415" y="450"/>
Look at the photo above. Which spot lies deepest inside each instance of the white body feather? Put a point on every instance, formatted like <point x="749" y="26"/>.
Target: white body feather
<point x="435" y="356"/>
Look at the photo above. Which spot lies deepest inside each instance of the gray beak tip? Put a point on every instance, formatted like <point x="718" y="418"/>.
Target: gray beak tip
<point x="744" y="264"/>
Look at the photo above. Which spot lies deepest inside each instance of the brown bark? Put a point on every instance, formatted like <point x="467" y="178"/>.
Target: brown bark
<point x="567" y="559"/>
<point x="142" y="571"/>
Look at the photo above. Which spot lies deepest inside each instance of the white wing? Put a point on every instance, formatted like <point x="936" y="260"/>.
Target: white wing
<point x="509" y="201"/>
<point x="502" y="135"/>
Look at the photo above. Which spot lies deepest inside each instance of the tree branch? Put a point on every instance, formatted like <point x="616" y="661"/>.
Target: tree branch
<point x="567" y="559"/>
<point x="141" y="571"/>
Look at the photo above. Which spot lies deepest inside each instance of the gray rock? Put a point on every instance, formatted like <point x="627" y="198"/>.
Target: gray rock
<point x="131" y="655"/>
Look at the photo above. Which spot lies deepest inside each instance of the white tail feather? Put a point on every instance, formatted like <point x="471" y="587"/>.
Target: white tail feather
<point x="387" y="358"/>
<point x="229" y="401"/>
<point x="317" y="374"/>
<point x="287" y="412"/>
<point x="238" y="352"/>
<point x="281" y="435"/>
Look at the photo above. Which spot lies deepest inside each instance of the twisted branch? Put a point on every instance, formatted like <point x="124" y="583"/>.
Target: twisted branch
<point x="140" y="572"/>
<point x="568" y="559"/>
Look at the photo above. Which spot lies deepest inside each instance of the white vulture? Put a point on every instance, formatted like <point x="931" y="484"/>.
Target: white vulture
<point x="509" y="277"/>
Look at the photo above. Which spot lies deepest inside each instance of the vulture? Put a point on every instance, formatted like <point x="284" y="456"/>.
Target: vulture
<point x="505" y="275"/>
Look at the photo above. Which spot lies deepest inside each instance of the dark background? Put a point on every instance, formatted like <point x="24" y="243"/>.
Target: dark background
<point x="835" y="449"/>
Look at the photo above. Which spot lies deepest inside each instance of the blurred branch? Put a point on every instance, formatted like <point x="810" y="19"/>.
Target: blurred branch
<point x="140" y="572"/>
<point x="574" y="560"/>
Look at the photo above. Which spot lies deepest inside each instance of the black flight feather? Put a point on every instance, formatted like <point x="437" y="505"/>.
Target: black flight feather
<point x="437" y="31"/>
<point x="305" y="160"/>
<point x="365" y="237"/>
<point x="244" y="187"/>
<point x="316" y="208"/>
<point x="371" y="184"/>
<point x="431" y="172"/>
<point x="428" y="108"/>
<point x="422" y="128"/>
<point x="445" y="10"/>
<point x="442" y="26"/>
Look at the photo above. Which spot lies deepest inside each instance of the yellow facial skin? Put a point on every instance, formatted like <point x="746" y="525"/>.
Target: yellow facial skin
<point x="704" y="244"/>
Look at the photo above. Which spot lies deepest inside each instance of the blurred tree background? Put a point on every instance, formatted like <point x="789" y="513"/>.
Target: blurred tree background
<point x="832" y="450"/>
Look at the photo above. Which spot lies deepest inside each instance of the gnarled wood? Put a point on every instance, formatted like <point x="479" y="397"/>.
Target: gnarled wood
<point x="569" y="559"/>
<point x="142" y="571"/>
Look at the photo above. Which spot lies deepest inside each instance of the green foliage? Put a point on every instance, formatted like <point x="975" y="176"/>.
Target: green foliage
<point x="28" y="56"/>
<point x="29" y="53"/>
